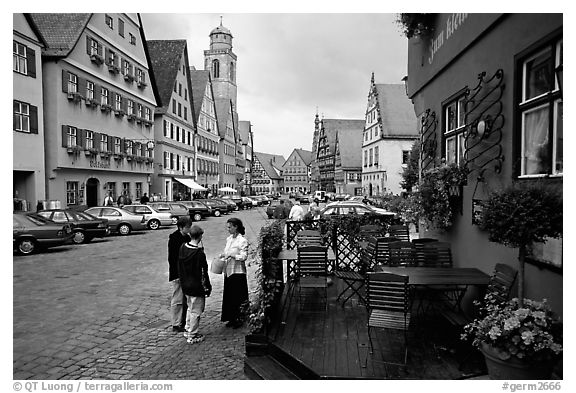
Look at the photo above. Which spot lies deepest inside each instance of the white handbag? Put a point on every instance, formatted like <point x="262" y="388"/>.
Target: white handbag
<point x="217" y="265"/>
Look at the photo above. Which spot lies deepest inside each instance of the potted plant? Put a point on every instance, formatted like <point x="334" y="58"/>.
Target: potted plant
<point x="520" y="215"/>
<point x="519" y="340"/>
<point x="439" y="193"/>
<point x="416" y="25"/>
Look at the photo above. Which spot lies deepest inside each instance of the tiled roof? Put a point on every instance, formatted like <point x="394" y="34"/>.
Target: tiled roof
<point x="199" y="79"/>
<point x="397" y="111"/>
<point x="244" y="131"/>
<point x="222" y="110"/>
<point x="305" y="155"/>
<point x="269" y="162"/>
<point x="350" y="145"/>
<point x="331" y="126"/>
<point x="60" y="32"/>
<point x="165" y="58"/>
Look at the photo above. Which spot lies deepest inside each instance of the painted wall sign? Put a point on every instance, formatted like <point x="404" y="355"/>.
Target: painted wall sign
<point x="100" y="164"/>
<point x="453" y="22"/>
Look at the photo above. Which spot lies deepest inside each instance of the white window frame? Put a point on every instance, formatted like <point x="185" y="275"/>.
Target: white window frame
<point x="118" y="102"/>
<point x="89" y="90"/>
<point x="130" y="107"/>
<point x="20" y="63"/>
<point x="139" y="111"/>
<point x="103" y="142"/>
<point x="109" y="21"/>
<point x="104" y="96"/>
<point x="72" y="136"/>
<point x="93" y="47"/>
<point x="72" y="83"/>
<point x="148" y="114"/>
<point x="23" y="115"/>
<point x="117" y="145"/>
<point x="71" y="192"/>
<point x="89" y="139"/>
<point x="455" y="133"/>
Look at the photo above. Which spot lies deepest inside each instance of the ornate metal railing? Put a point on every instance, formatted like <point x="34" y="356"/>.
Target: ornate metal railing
<point x="428" y="140"/>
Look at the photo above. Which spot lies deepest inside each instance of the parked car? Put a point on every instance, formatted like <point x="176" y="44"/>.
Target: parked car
<point x="304" y="198"/>
<point x="197" y="210"/>
<point x="218" y="207"/>
<point x="121" y="221"/>
<point x="320" y="196"/>
<point x="85" y="227"/>
<point x="248" y="202"/>
<point x="31" y="233"/>
<point x="176" y="209"/>
<point x="346" y="207"/>
<point x="232" y="206"/>
<point x="341" y="197"/>
<point x="261" y="199"/>
<point x="359" y="198"/>
<point x="240" y="202"/>
<point x="155" y="218"/>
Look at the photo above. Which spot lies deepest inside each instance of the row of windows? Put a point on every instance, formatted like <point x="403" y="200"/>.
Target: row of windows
<point x="372" y="133"/>
<point x="109" y="20"/>
<point x="24" y="59"/>
<point x="177" y="109"/>
<point x="229" y="150"/>
<point x="178" y="162"/>
<point x="91" y="140"/>
<point x="297" y="178"/>
<point x="178" y="89"/>
<point x="370" y="117"/>
<point x="208" y="167"/>
<point x="371" y="156"/>
<point x="296" y="170"/>
<point x="229" y="169"/>
<point x="177" y="133"/>
<point x="25" y="117"/>
<point x="73" y="192"/>
<point x="92" y="92"/>
<point x="115" y="64"/>
<point x="216" y="70"/>
<point x="540" y="111"/>
<point x="207" y="145"/>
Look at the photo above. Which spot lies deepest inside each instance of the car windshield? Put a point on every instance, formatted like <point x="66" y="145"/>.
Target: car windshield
<point x="38" y="220"/>
<point x="85" y="216"/>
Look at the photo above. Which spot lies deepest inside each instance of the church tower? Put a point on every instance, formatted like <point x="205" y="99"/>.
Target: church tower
<point x="221" y="62"/>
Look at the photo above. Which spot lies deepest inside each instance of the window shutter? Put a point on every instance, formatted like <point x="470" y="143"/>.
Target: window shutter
<point x="14" y="117"/>
<point x="96" y="143"/>
<point x="88" y="41"/>
<point x="123" y="145"/>
<point x="100" y="49"/>
<point x="82" y="86"/>
<point x="110" y="143"/>
<point x="96" y="93"/>
<point x="122" y="66"/>
<point x="64" y="135"/>
<point x="33" y="119"/>
<point x="143" y="76"/>
<point x="131" y="69"/>
<point x="31" y="60"/>
<point x="125" y="104"/>
<point x="107" y="56"/>
<point x="143" y="150"/>
<point x="65" y="81"/>
<point x="81" y="138"/>
<point x="165" y="126"/>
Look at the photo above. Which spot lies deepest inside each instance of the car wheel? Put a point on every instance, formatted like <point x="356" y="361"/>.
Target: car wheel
<point x="153" y="224"/>
<point x="217" y="213"/>
<point x="79" y="237"/>
<point x="174" y="220"/>
<point x="197" y="217"/>
<point x="236" y="208"/>
<point x="124" y="229"/>
<point x="26" y="246"/>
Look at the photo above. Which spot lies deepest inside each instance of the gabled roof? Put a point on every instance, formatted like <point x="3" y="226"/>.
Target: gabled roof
<point x="332" y="126"/>
<point x="199" y="79"/>
<point x="270" y="163"/>
<point x="165" y="58"/>
<point x="396" y="110"/>
<point x="350" y="146"/>
<point x="222" y="111"/>
<point x="244" y="131"/>
<point x="305" y="155"/>
<point x="59" y="32"/>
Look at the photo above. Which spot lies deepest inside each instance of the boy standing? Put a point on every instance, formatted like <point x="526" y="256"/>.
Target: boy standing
<point x="178" y="302"/>
<point x="193" y="271"/>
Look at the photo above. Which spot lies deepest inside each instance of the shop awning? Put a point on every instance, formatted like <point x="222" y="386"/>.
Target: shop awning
<point x="190" y="184"/>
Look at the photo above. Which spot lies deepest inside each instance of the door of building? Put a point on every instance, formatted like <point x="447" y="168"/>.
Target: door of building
<point x="92" y="192"/>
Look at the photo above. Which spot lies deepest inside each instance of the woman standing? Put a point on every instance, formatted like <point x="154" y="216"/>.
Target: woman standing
<point x="235" y="282"/>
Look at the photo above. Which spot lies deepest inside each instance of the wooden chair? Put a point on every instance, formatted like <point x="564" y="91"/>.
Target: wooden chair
<point x="399" y="232"/>
<point x="402" y="254"/>
<point x="312" y="272"/>
<point x="355" y="280"/>
<point x="308" y="237"/>
<point x="371" y="230"/>
<point x="388" y="306"/>
<point x="383" y="250"/>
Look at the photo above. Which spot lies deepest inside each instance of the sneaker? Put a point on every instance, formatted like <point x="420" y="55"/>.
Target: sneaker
<point x="195" y="338"/>
<point x="178" y="329"/>
<point x="187" y="334"/>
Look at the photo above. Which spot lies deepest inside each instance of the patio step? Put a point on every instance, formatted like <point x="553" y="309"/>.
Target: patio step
<point x="266" y="367"/>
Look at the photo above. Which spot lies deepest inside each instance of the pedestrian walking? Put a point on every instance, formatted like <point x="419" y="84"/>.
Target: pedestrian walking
<point x="315" y="210"/>
<point x="122" y="200"/>
<point x="109" y="201"/>
<point x="193" y="273"/>
<point x="296" y="213"/>
<point x="235" y="282"/>
<point x="144" y="199"/>
<point x="280" y="211"/>
<point x="178" y="304"/>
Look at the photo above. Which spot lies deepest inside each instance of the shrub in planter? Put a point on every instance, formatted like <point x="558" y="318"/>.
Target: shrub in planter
<point x="520" y="215"/>
<point x="416" y="25"/>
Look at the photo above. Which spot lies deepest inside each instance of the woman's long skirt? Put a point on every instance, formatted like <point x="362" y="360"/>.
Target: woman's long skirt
<point x="235" y="293"/>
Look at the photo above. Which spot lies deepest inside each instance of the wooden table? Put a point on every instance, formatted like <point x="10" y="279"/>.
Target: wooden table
<point x="439" y="275"/>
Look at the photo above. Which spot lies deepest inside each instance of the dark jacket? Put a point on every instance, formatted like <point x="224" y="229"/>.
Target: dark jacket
<point x="175" y="240"/>
<point x="279" y="212"/>
<point x="193" y="271"/>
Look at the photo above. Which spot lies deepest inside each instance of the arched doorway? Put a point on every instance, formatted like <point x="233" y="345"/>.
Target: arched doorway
<point x="92" y="192"/>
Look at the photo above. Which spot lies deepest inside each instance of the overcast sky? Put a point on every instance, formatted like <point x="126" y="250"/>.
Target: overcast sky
<point x="289" y="64"/>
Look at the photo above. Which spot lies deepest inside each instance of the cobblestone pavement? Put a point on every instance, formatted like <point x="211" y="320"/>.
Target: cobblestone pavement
<point x="101" y="311"/>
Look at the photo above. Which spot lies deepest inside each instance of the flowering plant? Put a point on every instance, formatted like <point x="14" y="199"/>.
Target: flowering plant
<point x="530" y="332"/>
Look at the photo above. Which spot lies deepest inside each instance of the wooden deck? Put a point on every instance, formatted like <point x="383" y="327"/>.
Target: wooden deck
<point x="333" y="342"/>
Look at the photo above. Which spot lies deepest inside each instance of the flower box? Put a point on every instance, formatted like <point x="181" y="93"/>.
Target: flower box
<point x="96" y="58"/>
<point x="105" y="108"/>
<point x="131" y="117"/>
<point x="128" y="78"/>
<point x="149" y="160"/>
<point x="74" y="96"/>
<point x="129" y="158"/>
<point x="113" y="69"/>
<point x="73" y="150"/>
<point x="104" y="154"/>
<point x="118" y="156"/>
<point x="142" y="84"/>
<point x="119" y="113"/>
<point x="147" y="123"/>
<point x="91" y="102"/>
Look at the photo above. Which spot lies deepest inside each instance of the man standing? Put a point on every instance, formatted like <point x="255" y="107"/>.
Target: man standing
<point x="109" y="201"/>
<point x="144" y="199"/>
<point x="178" y="306"/>
<point x="280" y="211"/>
<point x="296" y="213"/>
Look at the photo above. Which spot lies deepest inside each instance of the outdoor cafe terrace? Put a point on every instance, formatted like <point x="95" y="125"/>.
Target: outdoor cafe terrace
<point x="319" y="326"/>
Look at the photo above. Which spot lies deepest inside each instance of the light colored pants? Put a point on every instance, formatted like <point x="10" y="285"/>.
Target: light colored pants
<point x="176" y="303"/>
<point x="196" y="306"/>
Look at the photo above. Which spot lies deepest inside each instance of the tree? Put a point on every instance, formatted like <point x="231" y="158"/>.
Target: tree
<point x="410" y="173"/>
